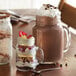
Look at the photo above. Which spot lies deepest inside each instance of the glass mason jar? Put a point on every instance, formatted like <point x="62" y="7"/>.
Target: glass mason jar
<point x="5" y="38"/>
<point x="28" y="56"/>
<point x="49" y="35"/>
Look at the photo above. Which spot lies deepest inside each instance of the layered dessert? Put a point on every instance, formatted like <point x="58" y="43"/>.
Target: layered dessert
<point x="26" y="52"/>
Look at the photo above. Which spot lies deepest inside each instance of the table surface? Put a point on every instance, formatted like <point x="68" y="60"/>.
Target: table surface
<point x="69" y="58"/>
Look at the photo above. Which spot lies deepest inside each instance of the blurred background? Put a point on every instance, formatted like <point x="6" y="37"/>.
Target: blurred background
<point x="67" y="7"/>
<point x="25" y="4"/>
<point x="29" y="4"/>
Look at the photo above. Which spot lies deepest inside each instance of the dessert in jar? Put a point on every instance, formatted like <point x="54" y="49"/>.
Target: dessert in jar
<point x="5" y="38"/>
<point x="26" y="52"/>
<point x="49" y="33"/>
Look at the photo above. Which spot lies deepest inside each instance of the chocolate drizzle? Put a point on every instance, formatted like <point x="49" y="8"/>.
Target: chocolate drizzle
<point x="5" y="57"/>
<point x="4" y="35"/>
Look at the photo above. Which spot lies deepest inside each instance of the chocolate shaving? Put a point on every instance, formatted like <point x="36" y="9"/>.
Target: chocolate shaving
<point x="61" y="65"/>
<point x="45" y="8"/>
<point x="75" y="55"/>
<point x="66" y="64"/>
<point x="48" y="6"/>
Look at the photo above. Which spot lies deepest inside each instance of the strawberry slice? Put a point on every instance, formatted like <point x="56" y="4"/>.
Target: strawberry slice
<point x="30" y="47"/>
<point x="23" y="33"/>
<point x="29" y="36"/>
<point x="20" y="33"/>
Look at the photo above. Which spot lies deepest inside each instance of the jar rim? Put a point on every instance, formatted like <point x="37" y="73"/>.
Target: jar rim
<point x="46" y="21"/>
<point x="4" y="15"/>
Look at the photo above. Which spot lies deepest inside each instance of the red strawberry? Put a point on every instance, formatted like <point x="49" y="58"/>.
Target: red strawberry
<point x="23" y="33"/>
<point x="29" y="36"/>
<point x="20" y="33"/>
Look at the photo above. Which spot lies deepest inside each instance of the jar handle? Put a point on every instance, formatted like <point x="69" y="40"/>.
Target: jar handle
<point x="68" y="38"/>
<point x="40" y="59"/>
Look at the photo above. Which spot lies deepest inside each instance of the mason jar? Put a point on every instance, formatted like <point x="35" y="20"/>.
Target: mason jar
<point x="49" y="35"/>
<point x="5" y="38"/>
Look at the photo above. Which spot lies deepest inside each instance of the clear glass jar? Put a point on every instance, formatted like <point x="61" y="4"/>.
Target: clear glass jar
<point x="28" y="56"/>
<point x="5" y="38"/>
<point x="49" y="35"/>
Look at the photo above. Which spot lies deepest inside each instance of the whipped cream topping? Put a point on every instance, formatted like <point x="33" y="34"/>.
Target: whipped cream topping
<point x="49" y="10"/>
<point x="31" y="41"/>
<point x="26" y="42"/>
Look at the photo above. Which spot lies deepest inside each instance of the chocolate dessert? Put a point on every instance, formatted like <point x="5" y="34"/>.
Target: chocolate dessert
<point x="48" y="33"/>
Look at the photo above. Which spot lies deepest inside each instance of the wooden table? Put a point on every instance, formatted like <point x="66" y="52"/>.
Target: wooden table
<point x="70" y="70"/>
